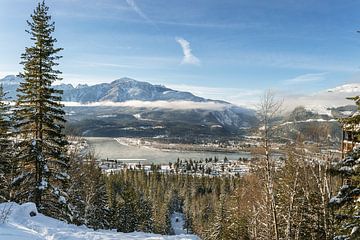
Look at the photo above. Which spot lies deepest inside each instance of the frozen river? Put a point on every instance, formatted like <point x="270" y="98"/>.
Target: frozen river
<point x="109" y="148"/>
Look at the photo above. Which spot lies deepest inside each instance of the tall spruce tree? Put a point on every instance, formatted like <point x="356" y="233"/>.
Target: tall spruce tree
<point x="5" y="148"/>
<point x="347" y="201"/>
<point x="40" y="120"/>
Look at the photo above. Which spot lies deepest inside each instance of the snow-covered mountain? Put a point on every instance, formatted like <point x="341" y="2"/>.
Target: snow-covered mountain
<point x="323" y="102"/>
<point x="10" y="84"/>
<point x="352" y="88"/>
<point x="122" y="90"/>
<point x="158" y="102"/>
<point x="176" y="111"/>
<point x="20" y="225"/>
<point x="11" y="80"/>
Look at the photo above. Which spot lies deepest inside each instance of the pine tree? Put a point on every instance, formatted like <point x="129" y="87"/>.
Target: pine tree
<point x="347" y="201"/>
<point x="218" y="229"/>
<point x="144" y="212"/>
<point x="39" y="120"/>
<point x="95" y="196"/>
<point x="88" y="199"/>
<point x="127" y="216"/>
<point x="76" y="187"/>
<point x="5" y="148"/>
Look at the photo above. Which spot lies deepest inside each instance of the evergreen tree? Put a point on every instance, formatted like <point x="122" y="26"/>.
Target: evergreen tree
<point x="127" y="215"/>
<point x="95" y="196"/>
<point x="76" y="187"/>
<point x="39" y="120"/>
<point x="88" y="199"/>
<point x="346" y="202"/>
<point x="145" y="215"/>
<point x="218" y="229"/>
<point x="5" y="148"/>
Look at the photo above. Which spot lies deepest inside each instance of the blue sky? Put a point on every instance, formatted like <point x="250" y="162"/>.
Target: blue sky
<point x="228" y="49"/>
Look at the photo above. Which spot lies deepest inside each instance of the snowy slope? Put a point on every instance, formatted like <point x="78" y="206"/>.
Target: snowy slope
<point x="321" y="102"/>
<point x="178" y="223"/>
<point x="20" y="226"/>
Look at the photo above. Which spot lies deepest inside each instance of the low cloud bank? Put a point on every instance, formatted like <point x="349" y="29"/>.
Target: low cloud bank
<point x="177" y="105"/>
<point x="323" y="100"/>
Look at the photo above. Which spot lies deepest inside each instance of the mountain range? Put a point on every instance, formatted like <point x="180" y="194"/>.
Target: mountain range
<point x="120" y="90"/>
<point x="129" y="107"/>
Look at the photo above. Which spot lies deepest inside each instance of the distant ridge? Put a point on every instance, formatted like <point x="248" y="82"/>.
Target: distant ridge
<point x="124" y="89"/>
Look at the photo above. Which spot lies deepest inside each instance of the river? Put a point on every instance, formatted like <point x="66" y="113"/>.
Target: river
<point x="109" y="148"/>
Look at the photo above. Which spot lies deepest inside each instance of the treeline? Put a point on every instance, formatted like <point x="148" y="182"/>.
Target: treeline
<point x="298" y="204"/>
<point x="227" y="208"/>
<point x="214" y="207"/>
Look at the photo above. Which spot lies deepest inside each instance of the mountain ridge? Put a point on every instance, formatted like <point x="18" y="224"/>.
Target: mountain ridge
<point x="178" y="111"/>
<point x="119" y="90"/>
<point x="124" y="89"/>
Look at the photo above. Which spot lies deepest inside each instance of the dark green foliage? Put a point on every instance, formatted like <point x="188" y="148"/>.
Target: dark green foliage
<point x="219" y="228"/>
<point x="130" y="209"/>
<point x="141" y="201"/>
<point x="6" y="150"/>
<point x="145" y="215"/>
<point x="346" y="202"/>
<point x="42" y="163"/>
<point x="126" y="209"/>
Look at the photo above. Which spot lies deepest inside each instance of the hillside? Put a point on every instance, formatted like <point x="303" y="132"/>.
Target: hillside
<point x="20" y="226"/>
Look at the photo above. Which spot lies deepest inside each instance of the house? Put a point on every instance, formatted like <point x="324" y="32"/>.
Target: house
<point x="350" y="138"/>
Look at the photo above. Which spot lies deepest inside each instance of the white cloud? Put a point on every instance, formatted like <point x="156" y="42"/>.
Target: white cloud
<point x="286" y="60"/>
<point x="307" y="78"/>
<point x="322" y="100"/>
<point x="188" y="58"/>
<point x="178" y="105"/>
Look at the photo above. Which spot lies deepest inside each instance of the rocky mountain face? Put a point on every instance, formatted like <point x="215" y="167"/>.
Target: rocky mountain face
<point x="10" y="84"/>
<point x="120" y="90"/>
<point x="170" y="118"/>
<point x="216" y="118"/>
<point x="123" y="89"/>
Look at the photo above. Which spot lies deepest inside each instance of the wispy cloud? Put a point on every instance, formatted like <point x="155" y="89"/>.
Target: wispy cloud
<point x="127" y="62"/>
<point x="307" y="78"/>
<point x="135" y="7"/>
<point x="288" y="60"/>
<point x="188" y="58"/>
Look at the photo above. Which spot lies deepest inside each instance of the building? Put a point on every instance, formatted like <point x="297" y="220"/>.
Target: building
<point x="350" y="138"/>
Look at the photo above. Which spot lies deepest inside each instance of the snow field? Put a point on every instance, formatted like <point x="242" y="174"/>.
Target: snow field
<point x="19" y="225"/>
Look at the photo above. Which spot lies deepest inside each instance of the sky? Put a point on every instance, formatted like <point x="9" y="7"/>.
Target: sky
<point x="229" y="49"/>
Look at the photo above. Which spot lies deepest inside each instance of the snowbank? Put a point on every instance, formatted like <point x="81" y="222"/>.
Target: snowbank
<point x="20" y="226"/>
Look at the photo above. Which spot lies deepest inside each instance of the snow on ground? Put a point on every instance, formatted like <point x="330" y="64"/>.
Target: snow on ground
<point x="20" y="226"/>
<point x="178" y="223"/>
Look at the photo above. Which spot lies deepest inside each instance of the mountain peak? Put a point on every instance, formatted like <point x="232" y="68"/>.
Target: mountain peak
<point x="10" y="80"/>
<point x="81" y="86"/>
<point x="125" y="80"/>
